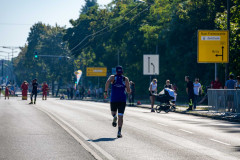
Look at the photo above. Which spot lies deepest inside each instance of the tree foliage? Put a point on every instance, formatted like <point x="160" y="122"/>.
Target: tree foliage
<point x="46" y="41"/>
<point x="128" y="30"/>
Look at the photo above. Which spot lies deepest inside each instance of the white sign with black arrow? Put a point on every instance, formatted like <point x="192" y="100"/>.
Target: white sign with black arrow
<point x="150" y="64"/>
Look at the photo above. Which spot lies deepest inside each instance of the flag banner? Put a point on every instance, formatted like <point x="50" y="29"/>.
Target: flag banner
<point x="78" y="74"/>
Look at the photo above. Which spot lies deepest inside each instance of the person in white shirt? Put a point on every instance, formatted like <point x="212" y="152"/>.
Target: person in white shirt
<point x="152" y="91"/>
<point x="197" y="88"/>
<point x="237" y="86"/>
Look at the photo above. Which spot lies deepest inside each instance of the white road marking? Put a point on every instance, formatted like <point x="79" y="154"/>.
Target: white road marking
<point x="220" y="142"/>
<point x="162" y="124"/>
<point x="63" y="124"/>
<point x="186" y="131"/>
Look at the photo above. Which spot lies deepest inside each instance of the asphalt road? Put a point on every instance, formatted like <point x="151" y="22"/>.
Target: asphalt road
<point x="65" y="129"/>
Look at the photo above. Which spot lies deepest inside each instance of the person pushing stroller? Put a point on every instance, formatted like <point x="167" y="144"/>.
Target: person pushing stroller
<point x="165" y="97"/>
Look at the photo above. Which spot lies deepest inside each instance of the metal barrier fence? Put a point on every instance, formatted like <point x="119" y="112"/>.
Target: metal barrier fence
<point x="224" y="100"/>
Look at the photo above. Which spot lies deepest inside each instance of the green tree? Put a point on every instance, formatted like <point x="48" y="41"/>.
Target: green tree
<point x="47" y="41"/>
<point x="88" y="5"/>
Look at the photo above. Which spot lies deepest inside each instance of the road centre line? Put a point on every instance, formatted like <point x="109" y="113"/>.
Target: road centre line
<point x="220" y="142"/>
<point x="61" y="122"/>
<point x="186" y="131"/>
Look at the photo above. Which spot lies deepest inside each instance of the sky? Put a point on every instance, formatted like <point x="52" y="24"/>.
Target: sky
<point x="17" y="16"/>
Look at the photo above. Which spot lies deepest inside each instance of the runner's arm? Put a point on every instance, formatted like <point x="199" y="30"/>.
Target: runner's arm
<point x="110" y="79"/>
<point x="127" y="85"/>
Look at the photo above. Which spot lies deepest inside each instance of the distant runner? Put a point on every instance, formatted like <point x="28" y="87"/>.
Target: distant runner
<point x="34" y="91"/>
<point x="44" y="90"/>
<point x="24" y="88"/>
<point x="120" y="85"/>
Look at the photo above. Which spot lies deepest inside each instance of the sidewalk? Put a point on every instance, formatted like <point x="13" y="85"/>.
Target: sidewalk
<point x="203" y="111"/>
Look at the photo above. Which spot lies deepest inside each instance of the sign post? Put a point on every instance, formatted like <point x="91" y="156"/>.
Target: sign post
<point x="213" y="47"/>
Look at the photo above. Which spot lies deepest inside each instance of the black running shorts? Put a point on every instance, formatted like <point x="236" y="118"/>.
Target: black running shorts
<point x="118" y="106"/>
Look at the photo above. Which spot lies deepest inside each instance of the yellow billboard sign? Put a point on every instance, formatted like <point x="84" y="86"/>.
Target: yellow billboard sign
<point x="96" y="71"/>
<point x="213" y="46"/>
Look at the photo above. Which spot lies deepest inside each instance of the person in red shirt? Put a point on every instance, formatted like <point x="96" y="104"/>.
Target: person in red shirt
<point x="216" y="84"/>
<point x="45" y="90"/>
<point x="6" y="92"/>
<point x="24" y="87"/>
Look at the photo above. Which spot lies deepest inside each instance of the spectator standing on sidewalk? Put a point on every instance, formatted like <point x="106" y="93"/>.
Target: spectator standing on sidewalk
<point x="168" y="85"/>
<point x="97" y="92"/>
<point x="152" y="91"/>
<point x="68" y="92"/>
<point x="77" y="94"/>
<point x="197" y="90"/>
<point x="89" y="92"/>
<point x="6" y="92"/>
<point x="190" y="92"/>
<point x="71" y="92"/>
<point x="132" y="93"/>
<point x="230" y="84"/>
<point x="216" y="84"/>
<point x="82" y="92"/>
<point x="100" y="92"/>
<point x="237" y="86"/>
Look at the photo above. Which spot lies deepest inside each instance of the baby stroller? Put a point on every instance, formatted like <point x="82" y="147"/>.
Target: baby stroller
<point x="165" y="97"/>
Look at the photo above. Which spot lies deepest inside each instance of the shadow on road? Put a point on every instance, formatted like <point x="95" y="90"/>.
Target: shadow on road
<point x="102" y="139"/>
<point x="237" y="148"/>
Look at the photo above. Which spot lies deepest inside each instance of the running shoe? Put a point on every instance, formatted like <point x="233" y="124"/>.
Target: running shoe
<point x="31" y="103"/>
<point x="119" y="135"/>
<point x="152" y="110"/>
<point x="114" y="123"/>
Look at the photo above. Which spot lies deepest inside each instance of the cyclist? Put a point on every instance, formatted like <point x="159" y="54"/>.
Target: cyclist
<point x="34" y="91"/>
<point x="120" y="84"/>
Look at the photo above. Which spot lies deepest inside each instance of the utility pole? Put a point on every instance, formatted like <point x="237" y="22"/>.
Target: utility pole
<point x="228" y="28"/>
<point x="2" y="71"/>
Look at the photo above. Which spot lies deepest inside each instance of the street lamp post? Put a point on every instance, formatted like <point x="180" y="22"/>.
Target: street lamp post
<point x="12" y="48"/>
<point x="2" y="71"/>
<point x="2" y="63"/>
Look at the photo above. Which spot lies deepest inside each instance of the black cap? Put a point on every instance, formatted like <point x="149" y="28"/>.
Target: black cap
<point x="119" y="69"/>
